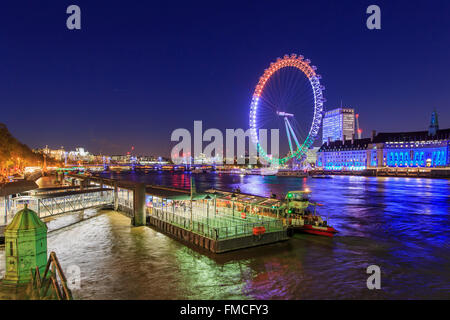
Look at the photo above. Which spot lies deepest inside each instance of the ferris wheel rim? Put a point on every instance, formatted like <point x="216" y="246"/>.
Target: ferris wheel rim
<point x="309" y="71"/>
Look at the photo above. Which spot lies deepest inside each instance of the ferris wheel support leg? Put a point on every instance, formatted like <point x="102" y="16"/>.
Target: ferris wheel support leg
<point x="293" y="134"/>
<point x="286" y="123"/>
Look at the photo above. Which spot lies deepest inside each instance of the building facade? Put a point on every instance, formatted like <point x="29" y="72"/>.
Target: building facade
<point x="392" y="150"/>
<point x="410" y="149"/>
<point x="311" y="155"/>
<point x="348" y="155"/>
<point x="338" y="124"/>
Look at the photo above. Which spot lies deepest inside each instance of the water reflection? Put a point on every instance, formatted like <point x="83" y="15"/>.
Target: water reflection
<point x="399" y="224"/>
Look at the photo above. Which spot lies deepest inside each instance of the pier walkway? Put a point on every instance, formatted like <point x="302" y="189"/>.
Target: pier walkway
<point x="53" y="201"/>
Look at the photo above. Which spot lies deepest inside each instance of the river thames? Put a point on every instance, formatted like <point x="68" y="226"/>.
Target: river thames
<point x="400" y="224"/>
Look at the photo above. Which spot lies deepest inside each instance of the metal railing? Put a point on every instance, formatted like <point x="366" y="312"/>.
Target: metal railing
<point x="53" y="279"/>
<point x="217" y="227"/>
<point x="50" y="206"/>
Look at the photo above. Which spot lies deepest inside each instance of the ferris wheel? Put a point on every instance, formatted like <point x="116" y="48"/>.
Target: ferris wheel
<point x="288" y="97"/>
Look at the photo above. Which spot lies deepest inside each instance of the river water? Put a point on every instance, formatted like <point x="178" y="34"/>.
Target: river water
<point x="399" y="224"/>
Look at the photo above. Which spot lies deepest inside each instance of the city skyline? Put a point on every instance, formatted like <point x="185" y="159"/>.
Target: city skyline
<point x="138" y="92"/>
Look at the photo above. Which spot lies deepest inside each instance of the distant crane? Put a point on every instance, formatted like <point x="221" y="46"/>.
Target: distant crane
<point x="358" y="130"/>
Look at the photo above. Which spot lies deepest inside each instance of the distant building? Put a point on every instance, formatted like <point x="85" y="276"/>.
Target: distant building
<point x="121" y="158"/>
<point x="397" y="149"/>
<point x="338" y="124"/>
<point x="80" y="154"/>
<point x="311" y="155"/>
<point x="56" y="154"/>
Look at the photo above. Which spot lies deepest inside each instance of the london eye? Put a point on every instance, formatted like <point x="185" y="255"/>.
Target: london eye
<point x="288" y="97"/>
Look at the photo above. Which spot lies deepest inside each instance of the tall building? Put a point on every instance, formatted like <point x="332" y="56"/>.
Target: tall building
<point x="338" y="124"/>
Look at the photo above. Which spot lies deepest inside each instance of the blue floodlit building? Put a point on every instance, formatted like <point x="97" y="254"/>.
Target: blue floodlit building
<point x="347" y="155"/>
<point x="399" y="149"/>
<point x="338" y="124"/>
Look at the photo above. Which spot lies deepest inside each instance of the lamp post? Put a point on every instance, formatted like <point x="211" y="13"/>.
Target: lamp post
<point x="215" y="204"/>
<point x="190" y="222"/>
<point x="233" y="198"/>
<point x="207" y="198"/>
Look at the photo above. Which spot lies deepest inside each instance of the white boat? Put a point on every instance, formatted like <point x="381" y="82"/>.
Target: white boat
<point x="269" y="171"/>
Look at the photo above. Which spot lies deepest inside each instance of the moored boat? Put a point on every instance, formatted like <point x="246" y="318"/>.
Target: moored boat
<point x="301" y="214"/>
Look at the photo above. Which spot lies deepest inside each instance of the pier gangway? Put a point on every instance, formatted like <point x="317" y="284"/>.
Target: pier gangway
<point x="50" y="203"/>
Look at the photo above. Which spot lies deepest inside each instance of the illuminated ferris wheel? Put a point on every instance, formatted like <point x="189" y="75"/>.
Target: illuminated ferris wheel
<point x="288" y="97"/>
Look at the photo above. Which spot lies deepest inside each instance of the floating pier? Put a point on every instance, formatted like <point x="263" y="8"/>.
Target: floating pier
<point x="210" y="221"/>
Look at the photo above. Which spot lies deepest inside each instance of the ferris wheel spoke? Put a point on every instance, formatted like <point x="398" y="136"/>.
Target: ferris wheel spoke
<point x="268" y="102"/>
<point x="272" y="92"/>
<point x="290" y="90"/>
<point x="301" y="95"/>
<point x="264" y="123"/>
<point x="287" y="87"/>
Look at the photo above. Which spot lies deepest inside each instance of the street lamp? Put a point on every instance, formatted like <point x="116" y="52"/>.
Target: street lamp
<point x="233" y="198"/>
<point x="207" y="198"/>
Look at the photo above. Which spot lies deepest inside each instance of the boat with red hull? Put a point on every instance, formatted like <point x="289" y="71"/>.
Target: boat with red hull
<point x="316" y="230"/>
<point x="301" y="214"/>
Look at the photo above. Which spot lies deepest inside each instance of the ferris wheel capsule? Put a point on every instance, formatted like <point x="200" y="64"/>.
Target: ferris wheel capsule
<point x="314" y="68"/>
<point x="318" y="76"/>
<point x="322" y="87"/>
<point x="307" y="61"/>
<point x="293" y="55"/>
<point x="300" y="57"/>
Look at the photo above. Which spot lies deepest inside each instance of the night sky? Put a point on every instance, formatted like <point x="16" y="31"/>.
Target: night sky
<point x="137" y="70"/>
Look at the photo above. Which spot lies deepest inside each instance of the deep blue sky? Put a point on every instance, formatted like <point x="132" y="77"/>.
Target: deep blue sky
<point x="139" y="69"/>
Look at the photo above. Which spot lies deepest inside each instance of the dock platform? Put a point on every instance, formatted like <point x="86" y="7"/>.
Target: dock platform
<point x="210" y="222"/>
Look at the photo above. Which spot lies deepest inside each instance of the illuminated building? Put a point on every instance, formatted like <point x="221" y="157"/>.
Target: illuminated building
<point x="412" y="149"/>
<point x="80" y="154"/>
<point x="398" y="149"/>
<point x="348" y="155"/>
<point x="57" y="154"/>
<point x="311" y="155"/>
<point x="121" y="158"/>
<point x="338" y="124"/>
